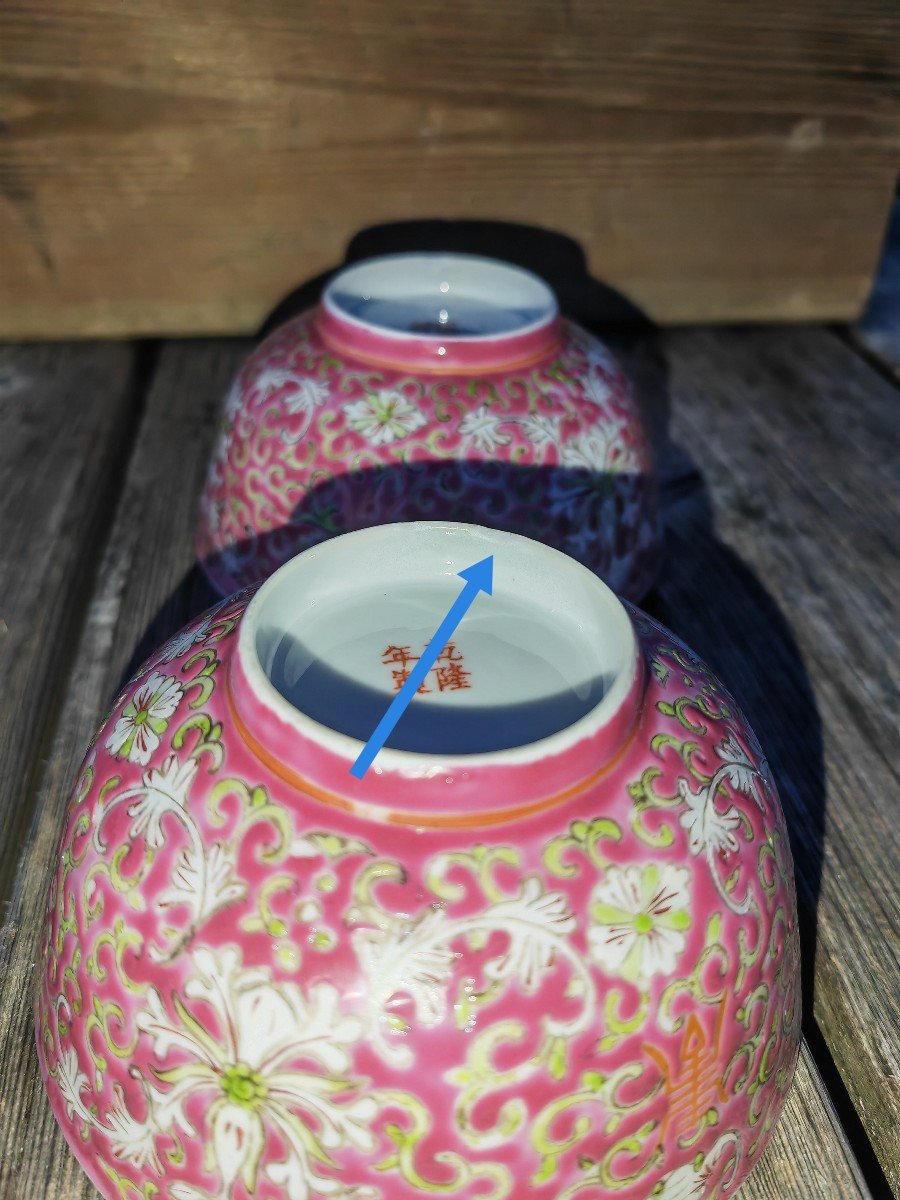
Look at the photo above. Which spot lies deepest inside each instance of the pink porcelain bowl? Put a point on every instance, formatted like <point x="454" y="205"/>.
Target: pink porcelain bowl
<point x="545" y="947"/>
<point x="430" y="386"/>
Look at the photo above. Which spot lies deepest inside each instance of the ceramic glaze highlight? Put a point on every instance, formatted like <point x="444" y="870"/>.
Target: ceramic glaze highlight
<point x="567" y="969"/>
<point x="397" y="400"/>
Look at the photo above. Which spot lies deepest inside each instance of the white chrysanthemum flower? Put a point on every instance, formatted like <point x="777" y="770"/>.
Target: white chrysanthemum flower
<point x="639" y="919"/>
<point x="144" y="718"/>
<point x="274" y="1062"/>
<point x="384" y="417"/>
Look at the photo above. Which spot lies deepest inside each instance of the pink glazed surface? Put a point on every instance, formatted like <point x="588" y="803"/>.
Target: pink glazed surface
<point x="331" y="427"/>
<point x="261" y="979"/>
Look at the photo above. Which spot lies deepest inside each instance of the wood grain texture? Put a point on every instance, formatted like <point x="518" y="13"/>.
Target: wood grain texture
<point x="808" y="1156"/>
<point x="178" y="168"/>
<point x="783" y="572"/>
<point x="64" y="422"/>
<point x="145" y="572"/>
<point x="145" y="588"/>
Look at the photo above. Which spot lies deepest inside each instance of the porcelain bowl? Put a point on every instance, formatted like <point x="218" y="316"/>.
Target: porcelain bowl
<point x="431" y="387"/>
<point x="545" y="946"/>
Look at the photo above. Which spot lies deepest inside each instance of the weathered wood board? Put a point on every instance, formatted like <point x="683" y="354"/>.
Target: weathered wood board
<point x="783" y="572"/>
<point x="65" y="421"/>
<point x="178" y="168"/>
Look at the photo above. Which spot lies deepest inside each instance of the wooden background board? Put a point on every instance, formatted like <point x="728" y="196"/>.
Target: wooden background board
<point x="783" y="539"/>
<point x="145" y="588"/>
<point x="177" y="168"/>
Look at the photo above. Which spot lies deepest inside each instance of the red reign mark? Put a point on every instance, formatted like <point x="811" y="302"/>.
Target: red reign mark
<point x="448" y="672"/>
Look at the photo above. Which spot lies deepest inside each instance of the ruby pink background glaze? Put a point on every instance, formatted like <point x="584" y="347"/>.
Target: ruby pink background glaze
<point x="477" y="1030"/>
<point x="331" y="426"/>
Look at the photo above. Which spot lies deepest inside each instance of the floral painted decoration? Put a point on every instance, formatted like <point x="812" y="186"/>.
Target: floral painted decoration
<point x="247" y="993"/>
<point x="318" y="439"/>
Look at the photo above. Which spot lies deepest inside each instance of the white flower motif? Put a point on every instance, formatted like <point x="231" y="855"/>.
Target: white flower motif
<point x="639" y="917"/>
<point x="160" y="791"/>
<point x="541" y="429"/>
<point x="273" y="1063"/>
<point x="184" y="640"/>
<point x="596" y="389"/>
<point x="203" y="875"/>
<point x="303" y="395"/>
<point x="685" y="1183"/>
<point x="137" y="732"/>
<point x="535" y="919"/>
<point x="383" y="417"/>
<point x="415" y="958"/>
<point x="204" y="878"/>
<point x="131" y="1140"/>
<point x="306" y="395"/>
<point x="739" y="769"/>
<point x="481" y="429"/>
<point x="592" y="450"/>
<point x="708" y="829"/>
<point x="272" y="379"/>
<point x="72" y="1081"/>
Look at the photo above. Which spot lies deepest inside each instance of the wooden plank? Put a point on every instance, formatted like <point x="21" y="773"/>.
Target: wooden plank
<point x="782" y="572"/>
<point x="147" y="561"/>
<point x="146" y="582"/>
<point x="808" y="1155"/>
<point x="178" y="169"/>
<point x="65" y="415"/>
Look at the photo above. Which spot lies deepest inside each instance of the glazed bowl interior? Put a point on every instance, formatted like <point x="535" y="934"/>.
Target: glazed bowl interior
<point x="336" y="631"/>
<point x="446" y="295"/>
